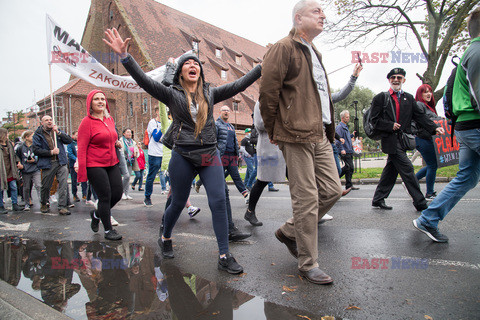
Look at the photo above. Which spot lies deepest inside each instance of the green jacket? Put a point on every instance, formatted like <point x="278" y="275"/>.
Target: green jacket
<point x="467" y="84"/>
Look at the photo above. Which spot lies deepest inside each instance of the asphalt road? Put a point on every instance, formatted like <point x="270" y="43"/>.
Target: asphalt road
<point x="414" y="277"/>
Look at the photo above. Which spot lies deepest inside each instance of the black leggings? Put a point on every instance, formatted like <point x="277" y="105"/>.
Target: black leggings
<point x="255" y="194"/>
<point x="107" y="182"/>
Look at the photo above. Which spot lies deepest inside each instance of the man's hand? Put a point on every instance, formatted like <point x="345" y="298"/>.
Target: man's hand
<point x="440" y="130"/>
<point x="343" y="152"/>
<point x="55" y="128"/>
<point x="55" y="151"/>
<point x="396" y="126"/>
<point x="19" y="166"/>
<point x="342" y="140"/>
<point x="357" y="69"/>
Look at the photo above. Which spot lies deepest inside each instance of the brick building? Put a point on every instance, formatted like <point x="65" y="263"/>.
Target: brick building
<point x="157" y="32"/>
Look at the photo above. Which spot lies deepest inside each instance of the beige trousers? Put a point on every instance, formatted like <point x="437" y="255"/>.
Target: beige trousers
<point x="314" y="188"/>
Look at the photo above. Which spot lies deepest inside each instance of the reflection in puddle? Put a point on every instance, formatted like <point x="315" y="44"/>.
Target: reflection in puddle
<point x="95" y="280"/>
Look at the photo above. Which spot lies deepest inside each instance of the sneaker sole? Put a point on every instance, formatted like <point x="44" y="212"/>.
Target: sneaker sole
<point x="222" y="268"/>
<point x="427" y="233"/>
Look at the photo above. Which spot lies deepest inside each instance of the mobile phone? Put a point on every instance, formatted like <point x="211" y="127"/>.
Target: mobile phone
<point x="359" y="59"/>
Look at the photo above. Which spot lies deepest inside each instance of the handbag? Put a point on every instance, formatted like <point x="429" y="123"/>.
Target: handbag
<point x="407" y="140"/>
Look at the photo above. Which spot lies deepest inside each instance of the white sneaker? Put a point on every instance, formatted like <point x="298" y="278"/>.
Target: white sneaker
<point x="95" y="204"/>
<point x="53" y="198"/>
<point x="124" y="196"/>
<point x="327" y="217"/>
<point x="129" y="197"/>
<point x="90" y="202"/>
<point x="113" y="221"/>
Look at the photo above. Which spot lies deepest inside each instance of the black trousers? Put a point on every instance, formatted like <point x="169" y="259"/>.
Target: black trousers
<point x="107" y="182"/>
<point x="398" y="163"/>
<point x="347" y="169"/>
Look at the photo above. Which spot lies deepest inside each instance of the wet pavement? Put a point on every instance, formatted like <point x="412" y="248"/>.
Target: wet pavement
<point x="382" y="267"/>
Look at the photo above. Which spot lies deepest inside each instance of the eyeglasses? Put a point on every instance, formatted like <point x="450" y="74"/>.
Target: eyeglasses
<point x="396" y="77"/>
<point x="225" y="110"/>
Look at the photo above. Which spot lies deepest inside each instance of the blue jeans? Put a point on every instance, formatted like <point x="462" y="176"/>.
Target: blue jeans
<point x="249" y="177"/>
<point x="337" y="159"/>
<point x="430" y="171"/>
<point x="13" y="192"/>
<point x="230" y="167"/>
<point x="466" y="179"/>
<point x="154" y="165"/>
<point x="138" y="178"/>
<point x="182" y="173"/>
<point x="163" y="181"/>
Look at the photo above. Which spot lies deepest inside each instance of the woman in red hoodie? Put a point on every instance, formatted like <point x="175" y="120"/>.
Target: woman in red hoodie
<point x="98" y="161"/>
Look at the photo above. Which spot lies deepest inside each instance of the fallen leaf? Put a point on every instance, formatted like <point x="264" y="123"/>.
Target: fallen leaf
<point x="327" y="318"/>
<point x="243" y="274"/>
<point x="428" y="317"/>
<point x="60" y="233"/>
<point x="352" y="308"/>
<point x="215" y="313"/>
<point x="300" y="278"/>
<point x="66" y="228"/>
<point x="303" y="317"/>
<point x="287" y="289"/>
<point x="452" y="270"/>
<point x="272" y="264"/>
<point x="290" y="276"/>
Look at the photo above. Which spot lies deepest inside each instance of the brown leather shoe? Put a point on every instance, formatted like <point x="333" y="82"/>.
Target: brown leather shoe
<point x="316" y="276"/>
<point x="291" y="244"/>
<point x="346" y="191"/>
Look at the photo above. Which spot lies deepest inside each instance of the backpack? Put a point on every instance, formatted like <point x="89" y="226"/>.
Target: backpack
<point x="146" y="138"/>
<point x="368" y="125"/>
<point x="448" y="97"/>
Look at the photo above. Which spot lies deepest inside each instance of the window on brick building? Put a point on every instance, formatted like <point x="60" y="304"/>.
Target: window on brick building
<point x="130" y="108"/>
<point x="195" y="46"/>
<point x="145" y="105"/>
<point x="110" y="12"/>
<point x="223" y="74"/>
<point x="238" y="60"/>
<point x="218" y="53"/>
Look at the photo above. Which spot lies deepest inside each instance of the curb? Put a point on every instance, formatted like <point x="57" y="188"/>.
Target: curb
<point x="18" y="305"/>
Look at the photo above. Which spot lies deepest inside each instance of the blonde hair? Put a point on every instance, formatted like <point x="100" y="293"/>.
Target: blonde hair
<point x="27" y="133"/>
<point x="202" y="105"/>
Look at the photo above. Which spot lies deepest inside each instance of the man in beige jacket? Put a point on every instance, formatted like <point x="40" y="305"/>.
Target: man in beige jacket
<point x="297" y="109"/>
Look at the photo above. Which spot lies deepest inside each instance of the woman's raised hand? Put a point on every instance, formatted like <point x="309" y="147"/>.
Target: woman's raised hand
<point x="116" y="42"/>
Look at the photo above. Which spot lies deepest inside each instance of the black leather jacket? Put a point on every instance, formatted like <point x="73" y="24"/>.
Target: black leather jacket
<point x="181" y="132"/>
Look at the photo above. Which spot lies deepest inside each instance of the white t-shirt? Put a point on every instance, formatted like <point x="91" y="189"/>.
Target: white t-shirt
<point x="321" y="80"/>
<point x="154" y="148"/>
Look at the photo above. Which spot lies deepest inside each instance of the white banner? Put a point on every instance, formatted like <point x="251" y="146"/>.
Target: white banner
<point x="65" y="52"/>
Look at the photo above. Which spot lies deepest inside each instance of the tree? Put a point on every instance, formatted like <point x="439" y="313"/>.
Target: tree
<point x="441" y="32"/>
<point x="13" y="124"/>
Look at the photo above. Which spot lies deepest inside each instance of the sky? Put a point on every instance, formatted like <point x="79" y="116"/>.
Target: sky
<point x="25" y="76"/>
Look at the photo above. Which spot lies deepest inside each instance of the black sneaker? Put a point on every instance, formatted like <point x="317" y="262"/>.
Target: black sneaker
<point x="252" y="218"/>
<point x="236" y="235"/>
<point x="147" y="202"/>
<point x="16" y="207"/>
<point x="432" y="233"/>
<point x="95" y="222"/>
<point x="112" y="235"/>
<point x="3" y="210"/>
<point x="229" y="264"/>
<point x="167" y="248"/>
<point x="76" y="199"/>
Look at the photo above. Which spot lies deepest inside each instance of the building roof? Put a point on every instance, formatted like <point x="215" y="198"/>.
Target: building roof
<point x="166" y="32"/>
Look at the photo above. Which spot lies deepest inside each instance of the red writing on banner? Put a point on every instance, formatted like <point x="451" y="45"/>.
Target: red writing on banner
<point x="116" y="83"/>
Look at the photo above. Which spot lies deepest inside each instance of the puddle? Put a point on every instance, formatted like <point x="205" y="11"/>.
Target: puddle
<point x="98" y="280"/>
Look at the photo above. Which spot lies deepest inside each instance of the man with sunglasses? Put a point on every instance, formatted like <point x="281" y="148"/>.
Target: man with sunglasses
<point x="392" y="114"/>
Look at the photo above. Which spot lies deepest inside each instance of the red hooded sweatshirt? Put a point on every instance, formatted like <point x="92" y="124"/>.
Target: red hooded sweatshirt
<point x="96" y="141"/>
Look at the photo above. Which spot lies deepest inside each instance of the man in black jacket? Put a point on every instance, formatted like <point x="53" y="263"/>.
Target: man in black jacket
<point x="392" y="114"/>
